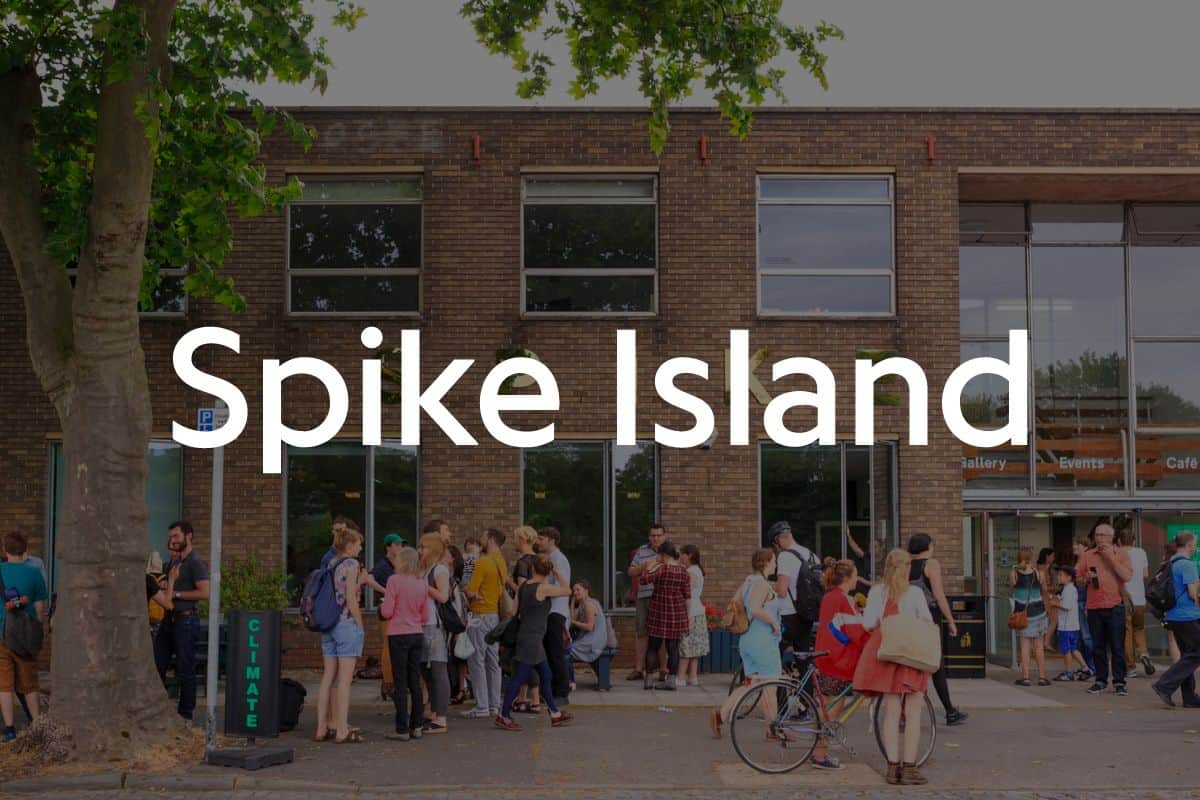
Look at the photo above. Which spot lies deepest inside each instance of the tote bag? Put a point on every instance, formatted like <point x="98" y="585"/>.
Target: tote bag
<point x="911" y="641"/>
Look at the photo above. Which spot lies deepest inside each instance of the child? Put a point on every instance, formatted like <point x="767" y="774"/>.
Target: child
<point x="472" y="547"/>
<point x="1068" y="627"/>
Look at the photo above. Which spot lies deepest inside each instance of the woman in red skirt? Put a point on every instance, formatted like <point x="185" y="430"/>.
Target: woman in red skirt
<point x="667" y="619"/>
<point x="901" y="687"/>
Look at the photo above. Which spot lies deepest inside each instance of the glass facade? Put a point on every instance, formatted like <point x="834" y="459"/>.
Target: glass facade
<point x="377" y="487"/>
<point x="840" y="500"/>
<point x="164" y="498"/>
<point x="1102" y="290"/>
<point x="602" y="498"/>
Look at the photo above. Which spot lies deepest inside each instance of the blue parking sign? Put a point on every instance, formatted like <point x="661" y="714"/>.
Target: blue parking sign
<point x="205" y="420"/>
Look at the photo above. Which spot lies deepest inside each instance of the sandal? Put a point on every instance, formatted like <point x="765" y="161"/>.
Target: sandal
<point x="353" y="737"/>
<point x="1023" y="682"/>
<point x="458" y="699"/>
<point x="530" y="708"/>
<point x="634" y="676"/>
<point x="521" y="706"/>
<point x="1043" y="682"/>
<point x="325" y="737"/>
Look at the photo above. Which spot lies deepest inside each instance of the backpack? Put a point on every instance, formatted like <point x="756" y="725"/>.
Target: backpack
<point x="735" y="619"/>
<point x="319" y="608"/>
<point x="448" y="617"/>
<point x="807" y="599"/>
<point x="22" y="633"/>
<point x="291" y="703"/>
<point x="1160" y="591"/>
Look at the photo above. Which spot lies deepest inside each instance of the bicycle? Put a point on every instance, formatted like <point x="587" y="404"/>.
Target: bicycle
<point x="799" y="721"/>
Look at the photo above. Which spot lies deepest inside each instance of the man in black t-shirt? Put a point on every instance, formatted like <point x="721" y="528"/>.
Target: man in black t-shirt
<point x="187" y="585"/>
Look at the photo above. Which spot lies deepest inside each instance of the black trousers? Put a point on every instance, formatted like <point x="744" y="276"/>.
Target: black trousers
<point x="178" y="636"/>
<point x="652" y="664"/>
<point x="940" y="684"/>
<point x="1108" y="639"/>
<point x="796" y="632"/>
<point x="556" y="654"/>
<point x="1182" y="674"/>
<point x="405" y="652"/>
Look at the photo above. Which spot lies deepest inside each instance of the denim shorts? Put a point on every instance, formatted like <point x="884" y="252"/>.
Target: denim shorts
<point x="344" y="641"/>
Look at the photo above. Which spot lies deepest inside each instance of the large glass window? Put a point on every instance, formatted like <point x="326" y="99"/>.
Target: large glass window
<point x="164" y="498"/>
<point x="1106" y="416"/>
<point x="602" y="498"/>
<point x="377" y="487"/>
<point x="354" y="246"/>
<point x="825" y="245"/>
<point x="839" y="500"/>
<point x="590" y="245"/>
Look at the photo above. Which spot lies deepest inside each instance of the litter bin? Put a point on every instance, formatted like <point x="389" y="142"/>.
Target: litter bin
<point x="966" y="654"/>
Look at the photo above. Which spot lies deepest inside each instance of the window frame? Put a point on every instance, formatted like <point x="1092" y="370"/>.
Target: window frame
<point x="368" y="556"/>
<point x="569" y="272"/>
<point x="417" y="178"/>
<point x="610" y="518"/>
<point x="760" y="271"/>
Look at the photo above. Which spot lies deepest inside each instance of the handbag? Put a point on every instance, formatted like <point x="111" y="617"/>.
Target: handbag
<point x="449" y="620"/>
<point x="463" y="649"/>
<point x="911" y="641"/>
<point x="1019" y="620"/>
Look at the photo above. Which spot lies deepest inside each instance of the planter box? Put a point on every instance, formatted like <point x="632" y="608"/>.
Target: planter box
<point x="723" y="653"/>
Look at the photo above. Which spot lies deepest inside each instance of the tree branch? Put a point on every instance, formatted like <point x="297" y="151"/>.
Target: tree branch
<point x="44" y="285"/>
<point x="110" y="264"/>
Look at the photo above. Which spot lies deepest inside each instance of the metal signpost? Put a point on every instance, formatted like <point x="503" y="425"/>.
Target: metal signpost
<point x="211" y="419"/>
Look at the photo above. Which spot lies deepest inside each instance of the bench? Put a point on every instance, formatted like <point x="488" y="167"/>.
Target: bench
<point x="602" y="666"/>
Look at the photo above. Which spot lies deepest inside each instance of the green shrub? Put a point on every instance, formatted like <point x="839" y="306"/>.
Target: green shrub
<point x="248" y="586"/>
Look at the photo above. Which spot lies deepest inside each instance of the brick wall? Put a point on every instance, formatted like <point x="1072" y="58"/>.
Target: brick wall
<point x="707" y="285"/>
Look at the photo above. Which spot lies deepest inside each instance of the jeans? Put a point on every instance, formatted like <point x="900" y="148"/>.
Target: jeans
<point x="556" y="655"/>
<point x="405" y="654"/>
<point x="484" y="663"/>
<point x="524" y="673"/>
<point x="1085" y="632"/>
<point x="178" y="636"/>
<point x="1108" y="639"/>
<point x="1182" y="674"/>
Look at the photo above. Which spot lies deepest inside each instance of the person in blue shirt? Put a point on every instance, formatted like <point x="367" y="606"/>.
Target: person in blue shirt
<point x="24" y="593"/>
<point x="1184" y="619"/>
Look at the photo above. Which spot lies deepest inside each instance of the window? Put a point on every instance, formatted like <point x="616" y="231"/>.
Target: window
<point x="825" y="245"/>
<point x="590" y="245"/>
<point x="164" y="498"/>
<point x="1115" y="406"/>
<point x="354" y="246"/>
<point x="603" y="498"/>
<point x="377" y="487"/>
<point x="1164" y="278"/>
<point x="824" y="491"/>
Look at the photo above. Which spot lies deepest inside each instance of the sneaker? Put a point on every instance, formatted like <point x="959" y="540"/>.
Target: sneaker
<point x="956" y="717"/>
<point x="10" y="733"/>
<point x="563" y="718"/>
<point x="1162" y="695"/>
<point x="431" y="727"/>
<point x="1085" y="675"/>
<point x="1120" y="689"/>
<point x="476" y="713"/>
<point x="1096" y="688"/>
<point x="828" y="762"/>
<point x="416" y="733"/>
<point x="1131" y="673"/>
<point x="1147" y="664"/>
<point x="505" y="724"/>
<point x="398" y="736"/>
<point x="1065" y="676"/>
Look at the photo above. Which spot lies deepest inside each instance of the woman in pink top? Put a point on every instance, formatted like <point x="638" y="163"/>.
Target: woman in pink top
<point x="405" y="610"/>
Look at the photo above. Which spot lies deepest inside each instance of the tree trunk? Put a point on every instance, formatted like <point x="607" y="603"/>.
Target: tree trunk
<point x="105" y="686"/>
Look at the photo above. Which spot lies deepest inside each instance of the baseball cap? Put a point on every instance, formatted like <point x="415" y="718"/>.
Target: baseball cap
<point x="393" y="538"/>
<point x="778" y="528"/>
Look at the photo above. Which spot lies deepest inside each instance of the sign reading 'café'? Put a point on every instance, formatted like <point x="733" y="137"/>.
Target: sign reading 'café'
<point x="252" y="673"/>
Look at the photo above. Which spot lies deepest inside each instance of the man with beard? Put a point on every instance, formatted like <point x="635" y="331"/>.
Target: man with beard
<point x="187" y="575"/>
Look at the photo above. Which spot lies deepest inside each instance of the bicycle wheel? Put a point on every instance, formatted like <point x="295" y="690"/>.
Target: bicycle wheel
<point x="928" y="729"/>
<point x="779" y="734"/>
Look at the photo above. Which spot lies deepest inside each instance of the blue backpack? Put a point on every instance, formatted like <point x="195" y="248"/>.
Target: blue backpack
<point x="319" y="608"/>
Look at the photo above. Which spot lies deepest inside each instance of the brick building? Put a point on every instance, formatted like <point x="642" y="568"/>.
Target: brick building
<point x="826" y="233"/>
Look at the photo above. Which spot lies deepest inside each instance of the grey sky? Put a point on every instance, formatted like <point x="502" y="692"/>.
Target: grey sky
<point x="896" y="53"/>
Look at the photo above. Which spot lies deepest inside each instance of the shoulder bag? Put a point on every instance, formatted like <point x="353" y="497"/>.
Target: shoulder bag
<point x="1018" y="620"/>
<point x="735" y="619"/>
<point x="911" y="641"/>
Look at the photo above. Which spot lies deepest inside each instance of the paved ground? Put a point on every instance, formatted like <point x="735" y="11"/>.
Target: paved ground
<point x="1055" y="742"/>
